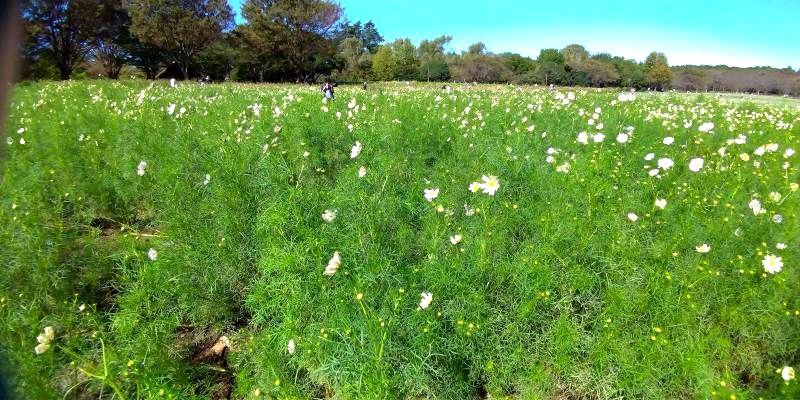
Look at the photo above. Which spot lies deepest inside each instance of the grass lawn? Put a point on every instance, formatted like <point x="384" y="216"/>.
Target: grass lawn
<point x="406" y="242"/>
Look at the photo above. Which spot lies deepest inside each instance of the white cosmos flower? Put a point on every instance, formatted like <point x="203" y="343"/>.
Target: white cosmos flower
<point x="775" y="196"/>
<point x="362" y="171"/>
<point x="788" y="153"/>
<point x="633" y="217"/>
<point x="329" y="215"/>
<point x="490" y="184"/>
<point x="777" y="218"/>
<point x="772" y="147"/>
<point x="140" y="168"/>
<point x="468" y="211"/>
<point x="583" y="137"/>
<point x="649" y="156"/>
<point x="549" y="160"/>
<point x="431" y="194"/>
<point x="152" y="254"/>
<point x="41" y="348"/>
<point x="426" y="299"/>
<point x="787" y="373"/>
<point x="755" y="205"/>
<point x="696" y="164"/>
<point x="665" y="163"/>
<point x="703" y="248"/>
<point x="759" y="151"/>
<point x="598" y="137"/>
<point x="356" y="150"/>
<point x="668" y="140"/>
<point x="772" y="264"/>
<point x="653" y="172"/>
<point x="626" y="97"/>
<point x="22" y="141"/>
<point x="333" y="264"/>
<point x="290" y="346"/>
<point x="622" y="137"/>
<point x="780" y="246"/>
<point x="474" y="187"/>
<point x="706" y="127"/>
<point x="171" y="108"/>
<point x="455" y="239"/>
<point x="661" y="203"/>
<point x="44" y="340"/>
<point x="207" y="180"/>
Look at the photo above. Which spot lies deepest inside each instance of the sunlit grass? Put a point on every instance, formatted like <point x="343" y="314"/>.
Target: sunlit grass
<point x="154" y="220"/>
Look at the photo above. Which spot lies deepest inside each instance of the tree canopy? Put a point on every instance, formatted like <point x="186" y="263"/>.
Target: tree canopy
<point x="180" y="28"/>
<point x="309" y="40"/>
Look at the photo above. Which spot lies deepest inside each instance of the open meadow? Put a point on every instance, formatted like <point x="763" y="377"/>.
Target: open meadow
<point x="405" y="242"/>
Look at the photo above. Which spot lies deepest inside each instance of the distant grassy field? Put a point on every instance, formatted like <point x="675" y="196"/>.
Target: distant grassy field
<point x="406" y="242"/>
<point x="771" y="100"/>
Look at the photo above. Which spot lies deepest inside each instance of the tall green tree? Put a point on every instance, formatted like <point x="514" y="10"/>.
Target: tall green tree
<point x="110" y="36"/>
<point x="550" y="69"/>
<point x="550" y="55"/>
<point x="600" y="72"/>
<point x="356" y="57"/>
<point x="575" y="56"/>
<point x="432" y="65"/>
<point x="660" y="76"/>
<point x="657" y="69"/>
<point x="655" y="58"/>
<point x="476" y="65"/>
<point x="297" y="32"/>
<point x="180" y="28"/>
<point x="631" y="73"/>
<point x="522" y="68"/>
<point x="145" y="56"/>
<point x="219" y="59"/>
<point x="60" y="28"/>
<point x="367" y="34"/>
<point x="383" y="64"/>
<point x="405" y="59"/>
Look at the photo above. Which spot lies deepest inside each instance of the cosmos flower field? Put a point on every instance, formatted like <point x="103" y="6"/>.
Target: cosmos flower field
<point x="405" y="242"/>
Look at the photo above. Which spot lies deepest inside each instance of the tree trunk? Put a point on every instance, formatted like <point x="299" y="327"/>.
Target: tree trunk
<point x="185" y="71"/>
<point x="64" y="72"/>
<point x="114" y="72"/>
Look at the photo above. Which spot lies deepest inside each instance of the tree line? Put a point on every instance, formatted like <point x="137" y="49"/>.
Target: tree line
<point x="310" y="40"/>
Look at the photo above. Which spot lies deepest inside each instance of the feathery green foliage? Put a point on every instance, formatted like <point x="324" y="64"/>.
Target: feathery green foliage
<point x="552" y="292"/>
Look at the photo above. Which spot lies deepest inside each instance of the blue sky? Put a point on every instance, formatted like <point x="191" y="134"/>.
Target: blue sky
<point x="737" y="33"/>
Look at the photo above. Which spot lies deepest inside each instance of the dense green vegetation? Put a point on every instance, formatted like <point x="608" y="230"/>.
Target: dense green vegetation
<point x="176" y="242"/>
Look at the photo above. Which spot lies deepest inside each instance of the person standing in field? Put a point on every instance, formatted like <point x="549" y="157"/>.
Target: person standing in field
<point x="327" y="91"/>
